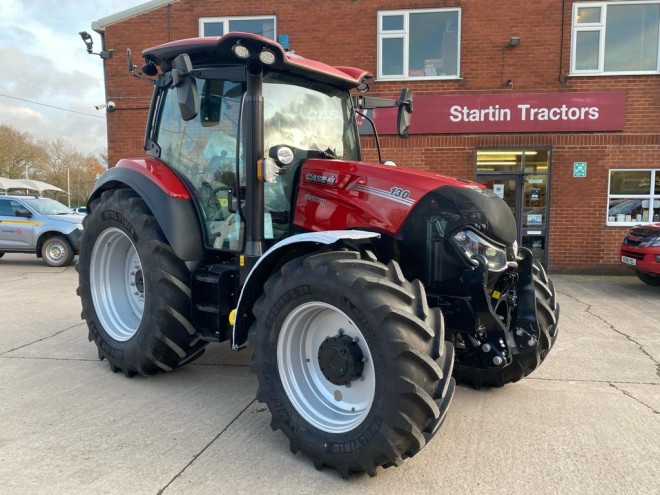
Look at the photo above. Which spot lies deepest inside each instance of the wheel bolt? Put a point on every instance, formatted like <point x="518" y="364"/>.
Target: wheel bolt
<point x="497" y="360"/>
<point x="519" y="332"/>
<point x="485" y="347"/>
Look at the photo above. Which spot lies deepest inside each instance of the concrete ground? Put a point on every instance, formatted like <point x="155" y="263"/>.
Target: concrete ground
<point x="587" y="421"/>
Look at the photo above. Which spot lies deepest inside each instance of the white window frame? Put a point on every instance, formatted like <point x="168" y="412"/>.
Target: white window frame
<point x="225" y="22"/>
<point x="600" y="27"/>
<point x="404" y="34"/>
<point x="653" y="198"/>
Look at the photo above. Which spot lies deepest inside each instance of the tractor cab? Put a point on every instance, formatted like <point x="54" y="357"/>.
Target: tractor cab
<point x="201" y="127"/>
<point x="209" y="150"/>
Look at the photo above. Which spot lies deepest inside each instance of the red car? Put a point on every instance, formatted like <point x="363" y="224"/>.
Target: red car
<point x="640" y="250"/>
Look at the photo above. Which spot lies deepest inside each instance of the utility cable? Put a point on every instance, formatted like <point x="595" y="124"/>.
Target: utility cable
<point x="52" y="106"/>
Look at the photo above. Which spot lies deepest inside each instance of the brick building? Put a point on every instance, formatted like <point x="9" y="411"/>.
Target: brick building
<point x="554" y="105"/>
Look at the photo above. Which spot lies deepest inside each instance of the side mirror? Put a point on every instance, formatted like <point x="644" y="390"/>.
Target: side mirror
<point x="186" y="86"/>
<point x="405" y="104"/>
<point x="23" y="213"/>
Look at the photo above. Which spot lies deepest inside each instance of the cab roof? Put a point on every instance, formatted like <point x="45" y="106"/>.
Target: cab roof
<point x="219" y="50"/>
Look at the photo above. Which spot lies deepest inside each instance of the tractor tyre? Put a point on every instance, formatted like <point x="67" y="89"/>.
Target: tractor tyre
<point x="547" y="313"/>
<point x="648" y="279"/>
<point x="135" y="291"/>
<point x="351" y="361"/>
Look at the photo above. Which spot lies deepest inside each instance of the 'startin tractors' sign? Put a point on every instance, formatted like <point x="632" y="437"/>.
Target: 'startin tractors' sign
<point x="510" y="113"/>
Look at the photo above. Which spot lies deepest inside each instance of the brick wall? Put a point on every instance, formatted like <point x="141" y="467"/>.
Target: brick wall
<point x="343" y="32"/>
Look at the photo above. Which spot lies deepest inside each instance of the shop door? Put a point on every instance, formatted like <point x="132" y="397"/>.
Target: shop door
<point x="526" y="195"/>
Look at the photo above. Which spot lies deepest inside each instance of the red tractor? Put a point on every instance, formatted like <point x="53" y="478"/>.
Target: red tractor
<point x="361" y="287"/>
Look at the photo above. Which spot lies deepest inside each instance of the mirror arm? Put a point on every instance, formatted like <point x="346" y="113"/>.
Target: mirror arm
<point x="373" y="126"/>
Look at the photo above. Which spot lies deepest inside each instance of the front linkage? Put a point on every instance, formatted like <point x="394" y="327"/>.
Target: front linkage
<point x="499" y="335"/>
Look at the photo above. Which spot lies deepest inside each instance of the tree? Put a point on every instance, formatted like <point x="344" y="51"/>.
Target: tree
<point x="18" y="151"/>
<point x="55" y="162"/>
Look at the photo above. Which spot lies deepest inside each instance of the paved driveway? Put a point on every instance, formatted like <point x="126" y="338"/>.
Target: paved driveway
<point x="588" y="421"/>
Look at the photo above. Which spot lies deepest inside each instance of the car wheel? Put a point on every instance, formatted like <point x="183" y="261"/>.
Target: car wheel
<point x="57" y="251"/>
<point x="648" y="278"/>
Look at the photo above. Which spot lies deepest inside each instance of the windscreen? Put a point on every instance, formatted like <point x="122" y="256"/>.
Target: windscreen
<point x="308" y="116"/>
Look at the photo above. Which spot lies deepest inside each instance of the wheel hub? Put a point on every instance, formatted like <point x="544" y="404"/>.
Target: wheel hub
<point x="341" y="359"/>
<point x="139" y="282"/>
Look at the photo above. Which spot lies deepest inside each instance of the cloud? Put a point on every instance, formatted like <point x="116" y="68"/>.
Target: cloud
<point x="44" y="60"/>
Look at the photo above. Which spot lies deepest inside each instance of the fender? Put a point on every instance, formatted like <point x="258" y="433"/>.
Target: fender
<point x="167" y="198"/>
<point x="271" y="259"/>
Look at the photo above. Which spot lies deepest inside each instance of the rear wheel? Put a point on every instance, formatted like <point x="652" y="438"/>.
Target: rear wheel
<point x="135" y="292"/>
<point x="351" y="362"/>
<point x="57" y="251"/>
<point x="649" y="279"/>
<point x="547" y="313"/>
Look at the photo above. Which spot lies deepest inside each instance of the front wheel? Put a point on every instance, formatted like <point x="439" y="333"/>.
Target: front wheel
<point x="57" y="251"/>
<point x="648" y="278"/>
<point x="135" y="292"/>
<point x="351" y="362"/>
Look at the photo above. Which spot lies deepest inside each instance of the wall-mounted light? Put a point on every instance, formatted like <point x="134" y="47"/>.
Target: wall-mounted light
<point x="514" y="41"/>
<point x="89" y="43"/>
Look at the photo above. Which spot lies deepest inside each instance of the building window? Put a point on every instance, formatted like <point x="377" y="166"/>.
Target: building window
<point x="611" y="38"/>
<point x="419" y="44"/>
<point x="218" y="26"/>
<point x="634" y="197"/>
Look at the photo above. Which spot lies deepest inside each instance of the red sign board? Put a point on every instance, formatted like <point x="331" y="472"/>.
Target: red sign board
<point x="509" y="113"/>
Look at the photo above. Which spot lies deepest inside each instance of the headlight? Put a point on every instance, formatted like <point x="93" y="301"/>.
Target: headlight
<point x="470" y="244"/>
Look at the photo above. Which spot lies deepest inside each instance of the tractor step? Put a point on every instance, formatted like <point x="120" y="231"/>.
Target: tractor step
<point x="207" y="308"/>
<point x="214" y="295"/>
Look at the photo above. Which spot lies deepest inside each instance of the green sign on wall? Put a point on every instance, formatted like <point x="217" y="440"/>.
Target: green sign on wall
<point x="579" y="169"/>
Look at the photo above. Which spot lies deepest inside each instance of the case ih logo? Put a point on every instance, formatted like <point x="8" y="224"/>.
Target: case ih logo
<point x="321" y="179"/>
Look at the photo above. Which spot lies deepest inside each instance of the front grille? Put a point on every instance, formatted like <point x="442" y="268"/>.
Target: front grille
<point x="633" y="254"/>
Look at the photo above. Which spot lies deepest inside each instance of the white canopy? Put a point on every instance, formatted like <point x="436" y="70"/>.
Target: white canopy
<point x="39" y="186"/>
<point x="34" y="185"/>
<point x="7" y="184"/>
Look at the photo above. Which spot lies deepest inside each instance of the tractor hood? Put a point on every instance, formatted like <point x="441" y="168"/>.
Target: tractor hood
<point x="336" y="194"/>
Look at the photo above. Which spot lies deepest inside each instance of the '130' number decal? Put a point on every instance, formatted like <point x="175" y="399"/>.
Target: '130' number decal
<point x="397" y="192"/>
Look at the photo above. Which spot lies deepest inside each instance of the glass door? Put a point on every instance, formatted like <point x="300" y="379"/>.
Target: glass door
<point x="534" y="221"/>
<point x="520" y="178"/>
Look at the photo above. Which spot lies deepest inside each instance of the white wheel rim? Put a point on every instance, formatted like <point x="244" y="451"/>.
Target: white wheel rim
<point x="117" y="284"/>
<point x="329" y="407"/>
<point x="56" y="252"/>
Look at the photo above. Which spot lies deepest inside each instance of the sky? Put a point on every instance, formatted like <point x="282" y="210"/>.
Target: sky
<point x="43" y="60"/>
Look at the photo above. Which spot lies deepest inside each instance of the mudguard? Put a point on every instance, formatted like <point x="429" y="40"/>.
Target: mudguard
<point x="167" y="198"/>
<point x="299" y="244"/>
